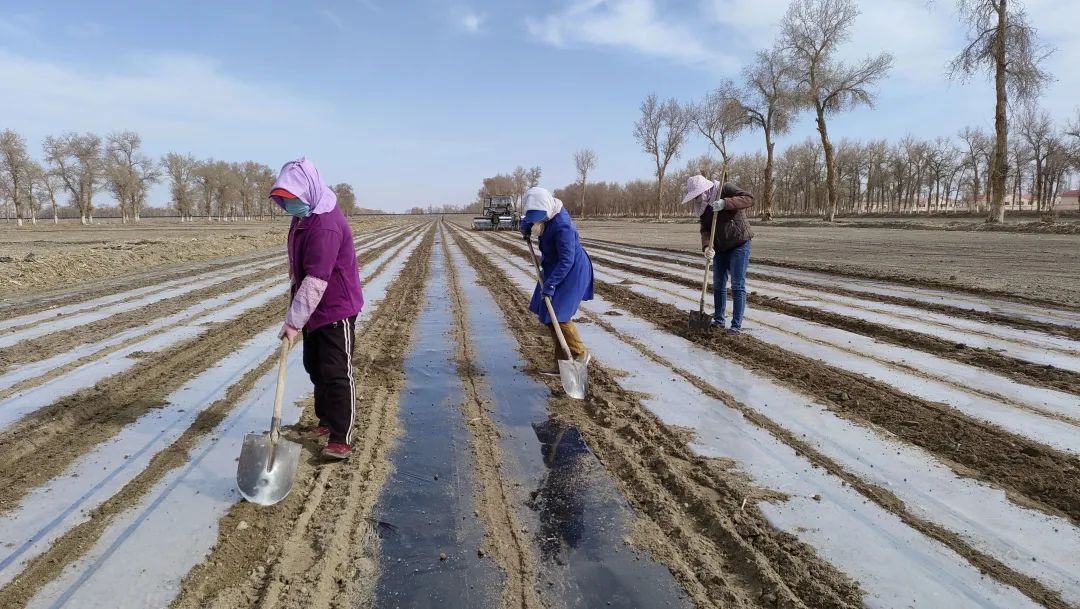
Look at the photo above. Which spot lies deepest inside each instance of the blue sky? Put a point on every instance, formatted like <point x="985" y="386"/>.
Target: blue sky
<point x="415" y="102"/>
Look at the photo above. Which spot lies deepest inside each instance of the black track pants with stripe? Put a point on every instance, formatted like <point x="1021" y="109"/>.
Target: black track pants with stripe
<point x="328" y="359"/>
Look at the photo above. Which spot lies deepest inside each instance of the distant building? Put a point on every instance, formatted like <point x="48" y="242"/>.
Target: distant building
<point x="1070" y="199"/>
<point x="1025" y="202"/>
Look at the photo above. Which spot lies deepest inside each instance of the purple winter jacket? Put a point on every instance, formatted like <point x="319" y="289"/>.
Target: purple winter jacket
<point x="321" y="245"/>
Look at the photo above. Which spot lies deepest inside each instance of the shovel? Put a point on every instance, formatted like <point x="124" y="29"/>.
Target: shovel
<point x="574" y="373"/>
<point x="268" y="463"/>
<point x="699" y="320"/>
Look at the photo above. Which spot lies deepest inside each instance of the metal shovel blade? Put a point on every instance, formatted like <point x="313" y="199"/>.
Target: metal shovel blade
<point x="266" y="469"/>
<point x="575" y="378"/>
<point x="700" y="321"/>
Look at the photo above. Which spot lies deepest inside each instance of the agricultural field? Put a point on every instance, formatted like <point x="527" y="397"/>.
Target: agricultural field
<point x="892" y="429"/>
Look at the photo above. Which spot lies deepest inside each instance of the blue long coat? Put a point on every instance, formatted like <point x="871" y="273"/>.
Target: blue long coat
<point x="566" y="266"/>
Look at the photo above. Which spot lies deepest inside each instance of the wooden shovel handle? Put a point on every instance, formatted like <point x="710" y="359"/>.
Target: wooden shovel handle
<point x="279" y="393"/>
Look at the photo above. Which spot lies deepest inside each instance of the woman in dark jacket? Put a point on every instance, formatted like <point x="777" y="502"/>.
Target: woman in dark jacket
<point x="730" y="250"/>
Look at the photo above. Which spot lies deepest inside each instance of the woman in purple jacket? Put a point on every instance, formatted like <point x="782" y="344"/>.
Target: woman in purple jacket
<point x="326" y="298"/>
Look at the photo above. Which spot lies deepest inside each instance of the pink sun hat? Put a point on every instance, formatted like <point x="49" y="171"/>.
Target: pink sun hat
<point x="696" y="185"/>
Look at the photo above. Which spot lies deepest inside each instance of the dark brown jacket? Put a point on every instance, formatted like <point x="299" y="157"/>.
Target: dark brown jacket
<point x="732" y="227"/>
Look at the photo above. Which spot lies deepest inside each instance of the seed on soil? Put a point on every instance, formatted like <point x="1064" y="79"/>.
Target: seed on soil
<point x="242" y="526"/>
<point x="442" y="555"/>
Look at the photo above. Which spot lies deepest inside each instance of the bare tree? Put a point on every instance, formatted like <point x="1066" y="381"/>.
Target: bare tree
<point x="1003" y="43"/>
<point x="14" y="167"/>
<point x="720" y="117"/>
<point x="180" y="169"/>
<point x="532" y="176"/>
<point x="520" y="182"/>
<point x="813" y="30"/>
<point x="35" y="188"/>
<point x="52" y="184"/>
<point x="1037" y="131"/>
<point x="768" y="101"/>
<point x="662" y="131"/>
<point x="346" y="198"/>
<point x="976" y="145"/>
<point x="77" y="159"/>
<point x="584" y="161"/>
<point x="129" y="173"/>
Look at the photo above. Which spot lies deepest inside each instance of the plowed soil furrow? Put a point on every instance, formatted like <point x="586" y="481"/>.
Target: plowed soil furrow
<point x="922" y="282"/>
<point x="714" y="539"/>
<point x="109" y="287"/>
<point x="506" y="539"/>
<point x="151" y="322"/>
<point x="655" y="347"/>
<point x="42" y="444"/>
<point x="883" y="497"/>
<point x="79" y="421"/>
<point x="45" y="346"/>
<point x="1011" y="367"/>
<point x="119" y="286"/>
<point x="317" y="548"/>
<point x="963" y="386"/>
<point x="1031" y="473"/>
<point x="42" y="347"/>
<point x="996" y="318"/>
<point x="73" y="544"/>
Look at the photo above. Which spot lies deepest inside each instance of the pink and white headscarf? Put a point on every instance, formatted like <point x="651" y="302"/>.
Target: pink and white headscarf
<point x="700" y="185"/>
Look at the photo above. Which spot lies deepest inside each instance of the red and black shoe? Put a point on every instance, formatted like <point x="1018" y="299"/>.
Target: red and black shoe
<point x="336" y="451"/>
<point x="319" y="432"/>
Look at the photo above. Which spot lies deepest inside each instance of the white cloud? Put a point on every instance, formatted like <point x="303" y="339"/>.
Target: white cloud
<point x="180" y="99"/>
<point x="333" y="18"/>
<point x="636" y="25"/>
<point x="370" y="5"/>
<point x="470" y="20"/>
<point x="753" y="18"/>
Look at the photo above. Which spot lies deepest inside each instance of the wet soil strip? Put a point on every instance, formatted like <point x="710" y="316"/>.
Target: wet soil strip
<point x="196" y="442"/>
<point x="577" y="518"/>
<point x="834" y="285"/>
<point x="695" y="516"/>
<point x="327" y="558"/>
<point x="1064" y="315"/>
<point x="432" y="532"/>
<point x="987" y="564"/>
<point x="1031" y="473"/>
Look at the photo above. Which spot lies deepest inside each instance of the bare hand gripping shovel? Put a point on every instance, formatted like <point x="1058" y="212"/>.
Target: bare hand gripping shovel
<point x="574" y="373"/>
<point x="268" y="463"/>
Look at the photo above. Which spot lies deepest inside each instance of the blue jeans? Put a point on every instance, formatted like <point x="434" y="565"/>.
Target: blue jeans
<point x="732" y="263"/>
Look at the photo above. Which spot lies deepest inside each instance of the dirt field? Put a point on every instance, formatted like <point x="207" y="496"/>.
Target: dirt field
<point x="48" y="255"/>
<point x="874" y="438"/>
<point x="1035" y="266"/>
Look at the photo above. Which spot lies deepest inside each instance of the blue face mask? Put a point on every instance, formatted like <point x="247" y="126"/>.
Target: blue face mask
<point x="296" y="207"/>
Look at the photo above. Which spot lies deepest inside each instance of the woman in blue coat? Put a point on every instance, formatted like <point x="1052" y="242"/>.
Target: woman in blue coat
<point x="567" y="270"/>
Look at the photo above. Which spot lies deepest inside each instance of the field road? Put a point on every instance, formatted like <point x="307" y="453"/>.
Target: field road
<point x="864" y="443"/>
